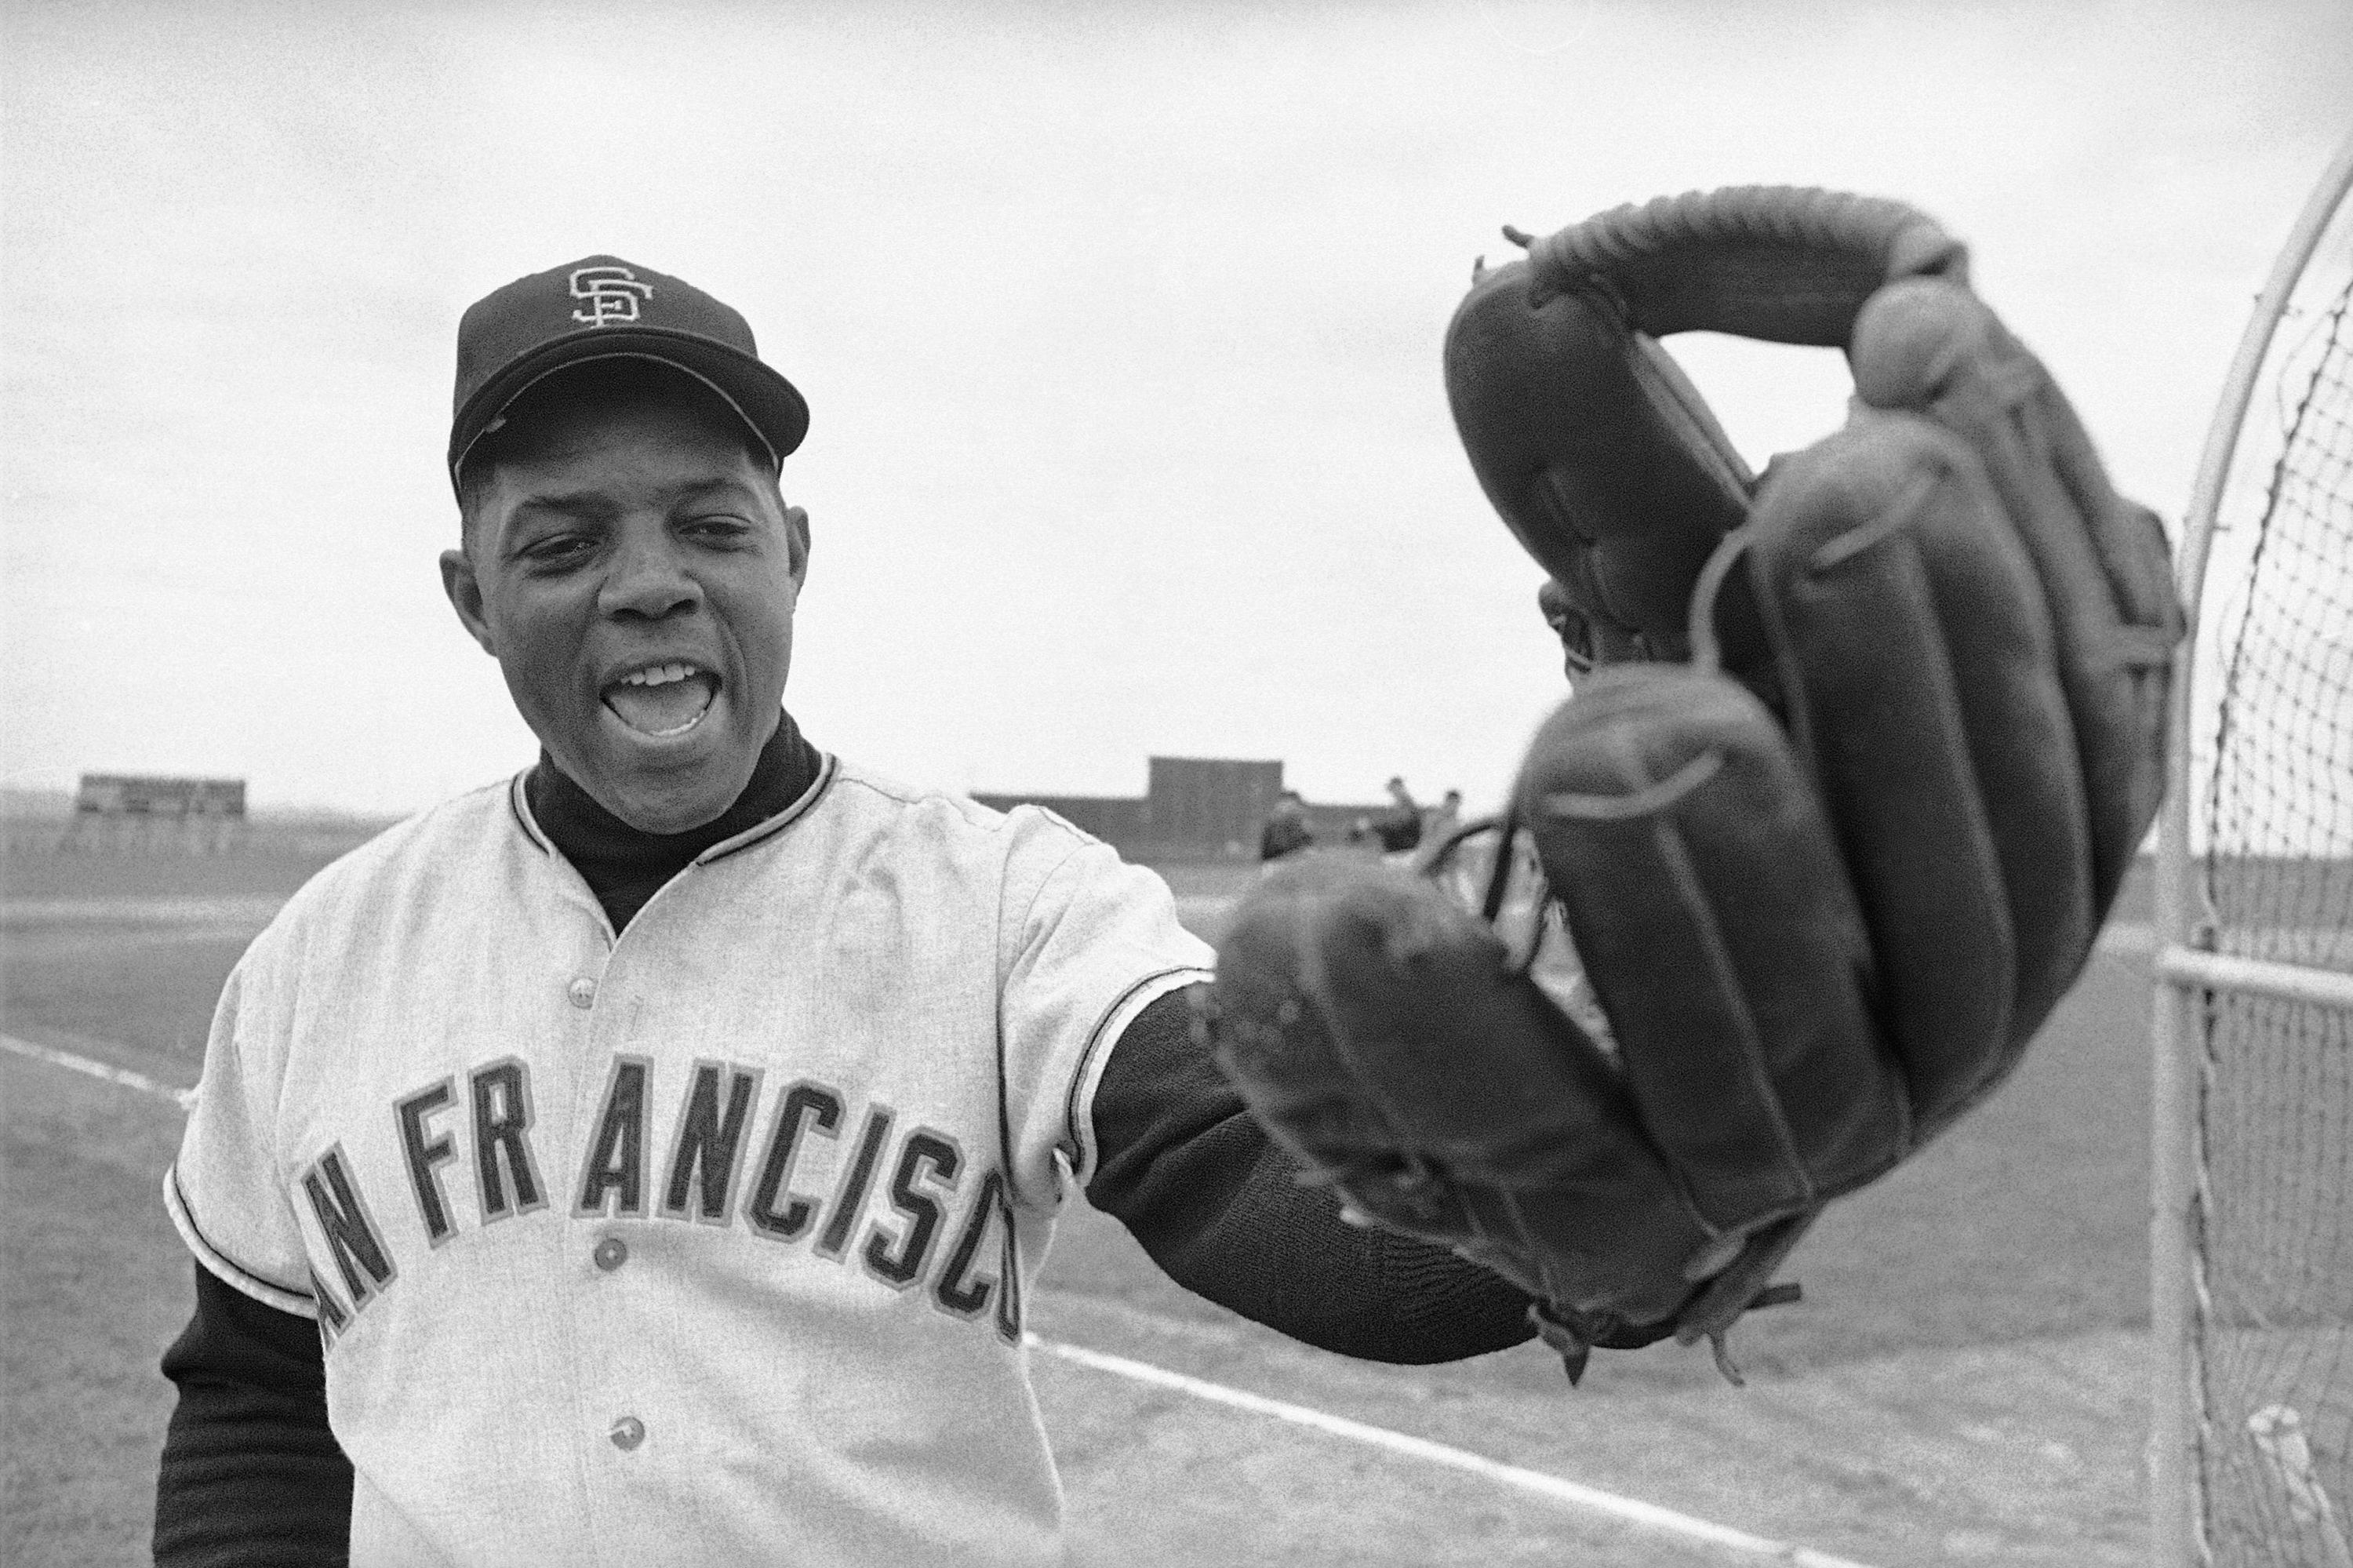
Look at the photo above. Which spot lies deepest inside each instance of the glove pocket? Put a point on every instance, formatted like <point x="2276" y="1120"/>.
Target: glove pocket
<point x="1706" y="897"/>
<point x="1920" y="681"/>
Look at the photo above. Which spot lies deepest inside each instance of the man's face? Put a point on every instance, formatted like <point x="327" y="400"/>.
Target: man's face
<point x="634" y="573"/>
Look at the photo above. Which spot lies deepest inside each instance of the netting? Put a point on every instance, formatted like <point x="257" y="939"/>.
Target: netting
<point x="2274" y="1266"/>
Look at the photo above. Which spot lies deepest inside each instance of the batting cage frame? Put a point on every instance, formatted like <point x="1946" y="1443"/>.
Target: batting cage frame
<point x="2236" y="1479"/>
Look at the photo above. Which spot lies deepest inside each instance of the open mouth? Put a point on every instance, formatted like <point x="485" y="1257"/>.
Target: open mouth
<point x="662" y="700"/>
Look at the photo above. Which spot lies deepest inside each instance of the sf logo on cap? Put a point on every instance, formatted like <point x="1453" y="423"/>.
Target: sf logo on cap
<point x="612" y="294"/>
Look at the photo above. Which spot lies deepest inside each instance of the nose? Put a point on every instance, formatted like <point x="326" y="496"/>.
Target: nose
<point x="648" y="580"/>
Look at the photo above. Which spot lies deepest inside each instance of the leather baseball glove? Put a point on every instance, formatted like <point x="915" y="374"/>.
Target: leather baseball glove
<point x="1858" y="754"/>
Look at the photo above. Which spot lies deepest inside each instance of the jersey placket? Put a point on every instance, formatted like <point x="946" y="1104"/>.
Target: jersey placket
<point x="615" y="1096"/>
<point x="592" y="1040"/>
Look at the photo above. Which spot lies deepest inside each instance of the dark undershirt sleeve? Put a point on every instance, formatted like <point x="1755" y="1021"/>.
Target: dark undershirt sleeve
<point x="251" y="1474"/>
<point x="1215" y="1202"/>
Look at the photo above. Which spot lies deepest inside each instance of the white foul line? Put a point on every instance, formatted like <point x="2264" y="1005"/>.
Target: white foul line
<point x="185" y="1099"/>
<point x="1592" y="1499"/>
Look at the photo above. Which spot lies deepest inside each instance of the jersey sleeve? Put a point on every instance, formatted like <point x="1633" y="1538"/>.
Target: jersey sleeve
<point x="1089" y="942"/>
<point x="223" y="1190"/>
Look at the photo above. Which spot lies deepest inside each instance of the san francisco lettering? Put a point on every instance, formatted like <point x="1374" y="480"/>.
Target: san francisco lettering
<point x="905" y="1205"/>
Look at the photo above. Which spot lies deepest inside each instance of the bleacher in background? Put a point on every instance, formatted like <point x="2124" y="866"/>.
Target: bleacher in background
<point x="148" y="811"/>
<point x="137" y="795"/>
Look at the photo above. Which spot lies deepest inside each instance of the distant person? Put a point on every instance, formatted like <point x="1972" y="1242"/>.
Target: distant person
<point x="1399" y="827"/>
<point x="1444" y="818"/>
<point x="1286" y="832"/>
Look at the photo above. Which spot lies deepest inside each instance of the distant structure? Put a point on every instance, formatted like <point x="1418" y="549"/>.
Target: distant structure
<point x="1194" y="808"/>
<point x="123" y="811"/>
<point x="1210" y="803"/>
<point x="134" y="795"/>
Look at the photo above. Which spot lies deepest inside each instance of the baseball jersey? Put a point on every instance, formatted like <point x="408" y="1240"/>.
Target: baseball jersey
<point x="706" y="1243"/>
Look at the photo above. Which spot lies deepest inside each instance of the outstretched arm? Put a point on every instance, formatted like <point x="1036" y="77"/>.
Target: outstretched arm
<point x="1218" y="1207"/>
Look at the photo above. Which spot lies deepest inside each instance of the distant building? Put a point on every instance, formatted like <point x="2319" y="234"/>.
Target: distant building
<point x="137" y="795"/>
<point x="1210" y="804"/>
<point x="1194" y="808"/>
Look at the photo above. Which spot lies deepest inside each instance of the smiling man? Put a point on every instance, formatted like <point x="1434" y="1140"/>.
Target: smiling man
<point x="630" y="565"/>
<point x="647" y="1159"/>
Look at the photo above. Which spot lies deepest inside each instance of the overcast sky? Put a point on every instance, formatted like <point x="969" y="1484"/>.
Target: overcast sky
<point x="1120" y="327"/>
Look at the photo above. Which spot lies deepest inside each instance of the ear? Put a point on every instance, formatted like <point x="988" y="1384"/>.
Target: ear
<point x="464" y="591"/>
<point x="797" y="526"/>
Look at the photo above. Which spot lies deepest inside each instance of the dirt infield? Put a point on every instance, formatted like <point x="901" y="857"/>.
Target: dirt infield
<point x="1964" y="1382"/>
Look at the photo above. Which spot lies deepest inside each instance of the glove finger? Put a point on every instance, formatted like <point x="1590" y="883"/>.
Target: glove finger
<point x="1595" y="451"/>
<point x="1377" y="1032"/>
<point x="1917" y="669"/>
<point x="2103" y="564"/>
<point x="1705" y="896"/>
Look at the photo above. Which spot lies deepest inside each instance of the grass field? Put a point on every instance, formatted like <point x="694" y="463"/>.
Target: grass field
<point x="1964" y="1382"/>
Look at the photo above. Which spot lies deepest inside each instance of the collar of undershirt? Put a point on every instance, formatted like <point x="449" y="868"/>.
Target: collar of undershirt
<point x="623" y="864"/>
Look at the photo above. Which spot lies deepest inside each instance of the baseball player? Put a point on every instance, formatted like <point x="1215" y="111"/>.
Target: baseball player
<point x="647" y="1159"/>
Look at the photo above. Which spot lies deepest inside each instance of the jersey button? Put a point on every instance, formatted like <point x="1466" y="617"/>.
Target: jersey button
<point x="582" y="992"/>
<point x="611" y="1252"/>
<point x="628" y="1433"/>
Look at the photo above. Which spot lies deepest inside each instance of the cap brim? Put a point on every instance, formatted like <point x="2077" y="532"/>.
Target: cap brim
<point x="763" y="400"/>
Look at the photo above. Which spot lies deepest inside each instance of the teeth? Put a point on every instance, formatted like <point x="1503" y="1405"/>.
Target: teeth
<point x="658" y="674"/>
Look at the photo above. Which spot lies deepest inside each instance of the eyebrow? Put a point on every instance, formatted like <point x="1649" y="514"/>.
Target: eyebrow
<point x="695" y="489"/>
<point x="592" y="504"/>
<point x="571" y="503"/>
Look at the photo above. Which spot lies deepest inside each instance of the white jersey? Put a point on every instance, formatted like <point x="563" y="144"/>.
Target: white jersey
<point x="708" y="1244"/>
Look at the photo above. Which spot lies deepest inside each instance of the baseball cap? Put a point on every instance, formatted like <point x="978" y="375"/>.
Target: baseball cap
<point x="601" y="307"/>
